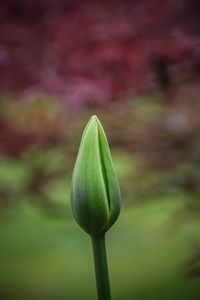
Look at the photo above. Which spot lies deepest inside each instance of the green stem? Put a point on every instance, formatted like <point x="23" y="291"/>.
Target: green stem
<point x="101" y="267"/>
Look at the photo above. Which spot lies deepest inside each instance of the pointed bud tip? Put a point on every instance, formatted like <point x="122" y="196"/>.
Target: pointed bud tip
<point x="94" y="118"/>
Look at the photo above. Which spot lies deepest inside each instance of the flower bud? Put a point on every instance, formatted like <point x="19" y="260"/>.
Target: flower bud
<point x="96" y="198"/>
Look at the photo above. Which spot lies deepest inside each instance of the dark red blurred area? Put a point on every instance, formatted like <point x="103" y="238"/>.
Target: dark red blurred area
<point x="96" y="51"/>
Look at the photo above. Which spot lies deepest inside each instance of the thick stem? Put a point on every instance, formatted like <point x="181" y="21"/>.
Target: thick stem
<point x="101" y="267"/>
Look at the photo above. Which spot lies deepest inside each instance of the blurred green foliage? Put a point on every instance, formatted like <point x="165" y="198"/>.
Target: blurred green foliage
<point x="153" y="248"/>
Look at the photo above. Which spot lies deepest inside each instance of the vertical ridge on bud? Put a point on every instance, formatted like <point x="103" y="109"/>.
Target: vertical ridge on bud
<point x="111" y="181"/>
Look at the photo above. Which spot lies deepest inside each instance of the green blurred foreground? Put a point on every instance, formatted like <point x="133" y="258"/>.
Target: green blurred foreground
<point x="45" y="257"/>
<point x="43" y="252"/>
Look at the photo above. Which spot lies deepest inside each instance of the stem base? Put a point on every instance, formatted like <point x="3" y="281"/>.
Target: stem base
<point x="101" y="267"/>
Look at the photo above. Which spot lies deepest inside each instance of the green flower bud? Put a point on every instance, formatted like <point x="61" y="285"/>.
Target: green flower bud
<point x="96" y="198"/>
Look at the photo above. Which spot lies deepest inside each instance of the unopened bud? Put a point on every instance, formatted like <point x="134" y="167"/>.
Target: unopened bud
<point x="96" y="198"/>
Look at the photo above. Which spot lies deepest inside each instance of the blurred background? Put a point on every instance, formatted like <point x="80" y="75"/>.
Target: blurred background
<point x="136" y="65"/>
